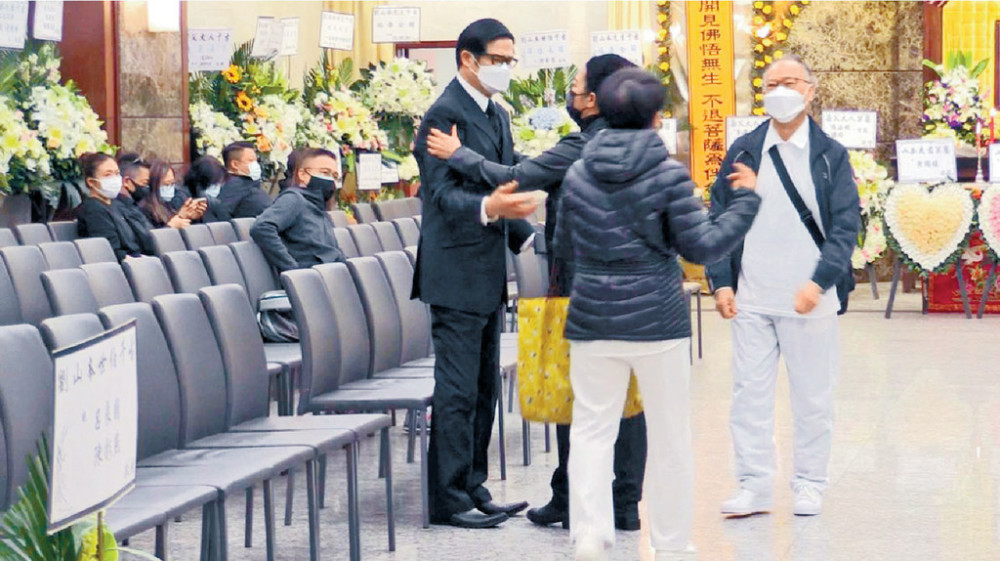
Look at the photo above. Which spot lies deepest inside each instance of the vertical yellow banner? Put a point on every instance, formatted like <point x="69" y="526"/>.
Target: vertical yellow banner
<point x="710" y="83"/>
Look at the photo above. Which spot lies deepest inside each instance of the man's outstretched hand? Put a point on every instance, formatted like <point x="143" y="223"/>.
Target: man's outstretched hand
<point x="505" y="203"/>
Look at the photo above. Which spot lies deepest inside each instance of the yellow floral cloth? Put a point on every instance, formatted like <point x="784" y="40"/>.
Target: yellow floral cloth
<point x="544" y="387"/>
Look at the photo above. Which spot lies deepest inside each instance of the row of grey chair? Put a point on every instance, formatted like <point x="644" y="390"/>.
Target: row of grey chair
<point x="37" y="233"/>
<point x="386" y="211"/>
<point x="203" y="427"/>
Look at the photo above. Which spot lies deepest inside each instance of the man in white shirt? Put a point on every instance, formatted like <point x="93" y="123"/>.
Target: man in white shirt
<point x="792" y="283"/>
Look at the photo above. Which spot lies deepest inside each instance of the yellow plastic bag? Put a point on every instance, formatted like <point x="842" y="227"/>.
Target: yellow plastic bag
<point x="545" y="392"/>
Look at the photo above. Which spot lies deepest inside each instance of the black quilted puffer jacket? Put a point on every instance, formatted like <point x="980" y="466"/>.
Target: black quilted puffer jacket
<point x="627" y="211"/>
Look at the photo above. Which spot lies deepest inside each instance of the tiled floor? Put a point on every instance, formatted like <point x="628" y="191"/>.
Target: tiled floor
<point x="915" y="469"/>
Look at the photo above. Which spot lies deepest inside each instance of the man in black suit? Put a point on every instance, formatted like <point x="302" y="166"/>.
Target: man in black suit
<point x="241" y="195"/>
<point x="461" y="273"/>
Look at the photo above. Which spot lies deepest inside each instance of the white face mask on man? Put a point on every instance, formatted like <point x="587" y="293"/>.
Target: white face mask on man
<point x="784" y="104"/>
<point x="495" y="77"/>
<point x="254" y="171"/>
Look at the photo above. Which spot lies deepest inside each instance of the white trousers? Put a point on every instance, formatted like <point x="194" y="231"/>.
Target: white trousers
<point x="599" y="372"/>
<point x="811" y="349"/>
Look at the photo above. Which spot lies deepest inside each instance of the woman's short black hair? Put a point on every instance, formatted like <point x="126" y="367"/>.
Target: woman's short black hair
<point x="203" y="173"/>
<point x="630" y="98"/>
<point x="477" y="35"/>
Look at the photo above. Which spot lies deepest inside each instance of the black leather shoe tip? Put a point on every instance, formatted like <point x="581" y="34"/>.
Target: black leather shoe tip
<point x="475" y="520"/>
<point x="547" y="515"/>
<point x="499" y="508"/>
<point x="628" y="524"/>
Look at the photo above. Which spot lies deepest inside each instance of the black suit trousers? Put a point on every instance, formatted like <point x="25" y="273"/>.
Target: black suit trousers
<point x="466" y="387"/>
<point x="630" y="465"/>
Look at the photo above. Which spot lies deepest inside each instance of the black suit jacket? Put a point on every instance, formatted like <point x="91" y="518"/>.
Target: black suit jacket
<point x="461" y="264"/>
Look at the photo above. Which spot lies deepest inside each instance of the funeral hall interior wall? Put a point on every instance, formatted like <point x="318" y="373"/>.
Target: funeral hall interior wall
<point x="866" y="55"/>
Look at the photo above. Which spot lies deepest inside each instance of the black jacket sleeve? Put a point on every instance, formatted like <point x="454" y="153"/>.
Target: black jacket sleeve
<point x="266" y="231"/>
<point x="440" y="183"/>
<point x="720" y="272"/>
<point x="845" y="223"/>
<point x="545" y="171"/>
<point x="95" y="221"/>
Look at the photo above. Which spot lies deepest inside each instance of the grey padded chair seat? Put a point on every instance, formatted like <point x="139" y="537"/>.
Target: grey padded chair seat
<point x="391" y="393"/>
<point x="95" y="250"/>
<point x="362" y="424"/>
<point x="127" y="522"/>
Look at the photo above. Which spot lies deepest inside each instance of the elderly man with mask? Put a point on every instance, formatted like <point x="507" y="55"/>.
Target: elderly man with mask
<point x="784" y="288"/>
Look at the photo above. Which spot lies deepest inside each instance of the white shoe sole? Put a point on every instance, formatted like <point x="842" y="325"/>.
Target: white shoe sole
<point x="762" y="508"/>
<point x="807" y="511"/>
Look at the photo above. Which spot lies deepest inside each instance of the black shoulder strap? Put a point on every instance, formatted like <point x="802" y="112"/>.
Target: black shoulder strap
<point x="800" y="206"/>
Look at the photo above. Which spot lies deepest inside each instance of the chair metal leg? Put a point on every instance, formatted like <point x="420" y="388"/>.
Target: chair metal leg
<point x="223" y="533"/>
<point x="548" y="439"/>
<point x="511" y="381"/>
<point x="424" y="477"/>
<point x="248" y="530"/>
<point x="390" y="513"/>
<point x="160" y="547"/>
<point x="503" y="433"/>
<point x="289" y="494"/>
<point x="526" y="441"/>
<point x="353" y="505"/>
<point x="268" y="493"/>
<point x="313" y="514"/>
<point x="699" y="324"/>
<point x="411" y="443"/>
<point x="322" y="481"/>
<point x="207" y="512"/>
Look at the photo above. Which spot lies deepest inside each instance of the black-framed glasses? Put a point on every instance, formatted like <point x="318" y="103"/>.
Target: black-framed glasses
<point x="500" y="59"/>
<point x="789" y="83"/>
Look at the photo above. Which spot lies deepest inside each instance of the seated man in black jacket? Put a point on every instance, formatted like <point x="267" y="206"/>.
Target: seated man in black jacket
<point x="135" y="188"/>
<point x="296" y="232"/>
<point x="241" y="195"/>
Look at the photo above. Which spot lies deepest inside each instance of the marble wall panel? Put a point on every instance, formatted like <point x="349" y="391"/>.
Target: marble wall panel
<point x="154" y="137"/>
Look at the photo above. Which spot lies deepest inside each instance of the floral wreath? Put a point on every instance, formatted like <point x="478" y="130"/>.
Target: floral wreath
<point x="908" y="252"/>
<point x="770" y="32"/>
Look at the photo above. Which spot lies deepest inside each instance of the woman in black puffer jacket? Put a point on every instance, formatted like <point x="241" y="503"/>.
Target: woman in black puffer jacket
<point x="627" y="211"/>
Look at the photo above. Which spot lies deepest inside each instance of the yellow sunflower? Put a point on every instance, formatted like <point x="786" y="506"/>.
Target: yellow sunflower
<point x="243" y="102"/>
<point x="232" y="74"/>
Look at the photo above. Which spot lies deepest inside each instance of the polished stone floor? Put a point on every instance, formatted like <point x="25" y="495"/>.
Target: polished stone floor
<point x="915" y="469"/>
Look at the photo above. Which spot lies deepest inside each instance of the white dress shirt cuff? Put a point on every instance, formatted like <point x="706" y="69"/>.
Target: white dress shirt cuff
<point x="483" y="219"/>
<point x="530" y="242"/>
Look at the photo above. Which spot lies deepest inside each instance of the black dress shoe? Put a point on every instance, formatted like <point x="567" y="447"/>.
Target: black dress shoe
<point x="498" y="508"/>
<point x="547" y="515"/>
<point x="473" y="520"/>
<point x="627" y="519"/>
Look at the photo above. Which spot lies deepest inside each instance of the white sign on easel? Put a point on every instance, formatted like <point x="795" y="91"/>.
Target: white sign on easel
<point x="47" y="23"/>
<point x="626" y="44"/>
<point x="395" y="25"/>
<point x="289" y="37"/>
<point x="668" y="132"/>
<point x="13" y="25"/>
<point x="209" y="50"/>
<point x="337" y="31"/>
<point x="853" y="129"/>
<point x="369" y="171"/>
<point x="930" y="159"/>
<point x="545" y="50"/>
<point x="738" y="126"/>
<point x="994" y="163"/>
<point x="95" y="429"/>
<point x="267" y="39"/>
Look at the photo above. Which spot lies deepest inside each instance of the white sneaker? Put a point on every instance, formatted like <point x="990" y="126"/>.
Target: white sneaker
<point x="589" y="549"/>
<point x="746" y="502"/>
<point x="808" y="501"/>
<point x="687" y="554"/>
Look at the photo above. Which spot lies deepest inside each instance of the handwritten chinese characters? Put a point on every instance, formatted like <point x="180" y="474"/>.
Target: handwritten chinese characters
<point x="209" y="50"/>
<point x="926" y="160"/>
<point x="13" y="25"/>
<point x="710" y="75"/>
<point x="545" y="50"/>
<point x="337" y="31"/>
<point x="853" y="129"/>
<point x="625" y="43"/>
<point x="395" y="25"/>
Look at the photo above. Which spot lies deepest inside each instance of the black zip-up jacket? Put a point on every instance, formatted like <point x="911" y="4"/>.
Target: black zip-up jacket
<point x="627" y="211"/>
<point x="95" y="219"/>
<point x="295" y="232"/>
<point x="139" y="225"/>
<point x="240" y="197"/>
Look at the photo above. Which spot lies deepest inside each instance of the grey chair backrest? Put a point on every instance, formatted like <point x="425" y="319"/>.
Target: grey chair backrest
<point x="10" y="310"/>
<point x="257" y="274"/>
<point x="242" y="351"/>
<point x="95" y="250"/>
<point x="200" y="371"/>
<point x="381" y="313"/>
<point x="7" y="237"/>
<point x="187" y="271"/>
<point x="197" y="236"/>
<point x="69" y="292"/>
<point x="242" y="227"/>
<point x="365" y="238"/>
<point x="159" y="391"/>
<point x="349" y="322"/>
<point x="221" y="265"/>
<point x="148" y="278"/>
<point x="419" y="220"/>
<point x="339" y="218"/>
<point x="414" y="317"/>
<point x="32" y="234"/>
<point x="411" y="254"/>
<point x="346" y="243"/>
<point x="222" y="232"/>
<point x="317" y="334"/>
<point x="414" y="206"/>
<point x="108" y="284"/>
<point x="387" y="236"/>
<point x="408" y="231"/>
<point x="25" y="265"/>
<point x="61" y="255"/>
<point x="388" y="210"/>
<point x="26" y="404"/>
<point x="532" y="276"/>
<point x="166" y="240"/>
<point x="63" y="231"/>
<point x="363" y="213"/>
<point x="65" y="331"/>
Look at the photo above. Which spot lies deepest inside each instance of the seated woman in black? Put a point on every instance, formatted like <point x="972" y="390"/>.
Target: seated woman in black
<point x="204" y="179"/>
<point x="169" y="204"/>
<point x="94" y="216"/>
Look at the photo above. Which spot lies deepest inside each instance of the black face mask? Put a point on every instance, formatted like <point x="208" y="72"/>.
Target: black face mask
<point x="326" y="186"/>
<point x="574" y="113"/>
<point x="140" y="193"/>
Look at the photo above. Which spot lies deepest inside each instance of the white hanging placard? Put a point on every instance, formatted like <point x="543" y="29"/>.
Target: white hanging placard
<point x="47" y="23"/>
<point x="395" y="25"/>
<point x="545" y="50"/>
<point x="337" y="31"/>
<point x="930" y="159"/>
<point x="13" y="25"/>
<point x="209" y="50"/>
<point x="738" y="126"/>
<point x="369" y="171"/>
<point x="853" y="129"/>
<point x="626" y="43"/>
<point x="668" y="132"/>
<point x="289" y="37"/>
<point x="94" y="431"/>
<point x="267" y="39"/>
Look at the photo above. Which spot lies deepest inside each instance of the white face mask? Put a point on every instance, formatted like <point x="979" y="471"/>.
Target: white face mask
<point x="254" y="171"/>
<point x="212" y="190"/>
<point x="167" y="192"/>
<point x="495" y="78"/>
<point x="110" y="187"/>
<point x="784" y="104"/>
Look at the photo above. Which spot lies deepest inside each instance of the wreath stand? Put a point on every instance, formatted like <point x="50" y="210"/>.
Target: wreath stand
<point x="897" y="271"/>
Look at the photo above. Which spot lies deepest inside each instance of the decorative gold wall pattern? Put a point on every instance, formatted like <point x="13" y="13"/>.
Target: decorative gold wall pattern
<point x="866" y="55"/>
